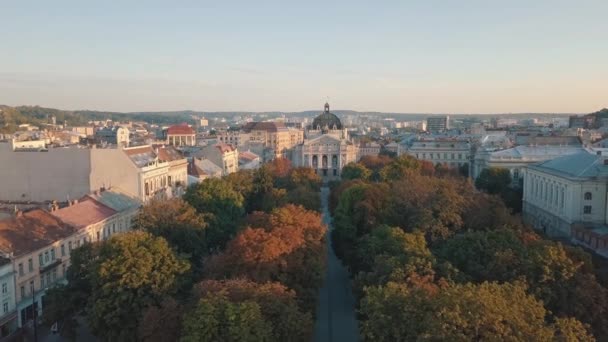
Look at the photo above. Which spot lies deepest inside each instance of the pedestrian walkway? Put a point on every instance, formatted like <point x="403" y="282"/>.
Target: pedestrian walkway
<point x="336" y="318"/>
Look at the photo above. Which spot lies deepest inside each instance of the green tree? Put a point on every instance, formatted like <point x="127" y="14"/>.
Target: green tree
<point x="495" y="255"/>
<point x="177" y="222"/>
<point x="133" y="271"/>
<point x="400" y="167"/>
<point x="355" y="171"/>
<point x="484" y="312"/>
<point x="278" y="305"/>
<point x="223" y="206"/>
<point x="216" y="318"/>
<point x="494" y="180"/>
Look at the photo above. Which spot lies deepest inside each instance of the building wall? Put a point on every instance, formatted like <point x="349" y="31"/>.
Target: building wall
<point x="7" y="300"/>
<point x="112" y="167"/>
<point x="552" y="203"/>
<point x="441" y="153"/>
<point x="40" y="176"/>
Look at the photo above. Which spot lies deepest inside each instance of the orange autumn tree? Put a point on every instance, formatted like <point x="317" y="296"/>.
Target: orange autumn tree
<point x="286" y="246"/>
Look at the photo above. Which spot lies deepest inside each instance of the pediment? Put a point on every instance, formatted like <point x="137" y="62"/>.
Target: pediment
<point x="324" y="139"/>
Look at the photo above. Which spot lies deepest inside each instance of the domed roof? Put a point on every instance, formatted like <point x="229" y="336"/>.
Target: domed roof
<point x="326" y="120"/>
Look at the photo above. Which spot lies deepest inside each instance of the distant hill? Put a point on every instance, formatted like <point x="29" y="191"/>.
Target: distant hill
<point x="11" y="117"/>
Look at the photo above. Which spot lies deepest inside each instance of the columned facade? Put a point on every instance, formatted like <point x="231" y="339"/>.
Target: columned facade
<point x="326" y="147"/>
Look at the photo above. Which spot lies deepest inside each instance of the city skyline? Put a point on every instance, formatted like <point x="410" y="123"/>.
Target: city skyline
<point x="472" y="58"/>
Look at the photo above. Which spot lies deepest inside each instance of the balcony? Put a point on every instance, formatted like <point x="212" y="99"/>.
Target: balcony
<point x="50" y="266"/>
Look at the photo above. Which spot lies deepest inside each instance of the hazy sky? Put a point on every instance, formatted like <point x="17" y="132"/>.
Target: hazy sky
<point x="400" y="56"/>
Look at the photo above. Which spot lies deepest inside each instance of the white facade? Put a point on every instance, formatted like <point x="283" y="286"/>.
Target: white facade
<point x="517" y="158"/>
<point x="446" y="152"/>
<point x="565" y="191"/>
<point x="326" y="154"/>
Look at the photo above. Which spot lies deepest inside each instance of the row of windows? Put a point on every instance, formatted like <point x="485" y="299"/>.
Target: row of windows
<point x="553" y="194"/>
<point x="46" y="280"/>
<point x="49" y="255"/>
<point x="452" y="156"/>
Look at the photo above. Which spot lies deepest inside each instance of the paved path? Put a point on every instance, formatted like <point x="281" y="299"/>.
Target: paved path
<point x="336" y="320"/>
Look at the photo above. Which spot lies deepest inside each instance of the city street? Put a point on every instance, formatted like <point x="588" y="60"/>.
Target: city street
<point x="336" y="318"/>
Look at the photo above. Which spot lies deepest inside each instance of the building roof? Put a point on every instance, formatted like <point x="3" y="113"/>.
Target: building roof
<point x="529" y="139"/>
<point x="141" y="156"/>
<point x="264" y="126"/>
<point x="326" y="120"/>
<point x="116" y="200"/>
<point x="32" y="231"/>
<point x="535" y="152"/>
<point x="248" y="155"/>
<point x="169" y="153"/>
<point x="195" y="171"/>
<point x="224" y="148"/>
<point x="208" y="167"/>
<point x="182" y="129"/>
<point x="579" y="165"/>
<point x="84" y="213"/>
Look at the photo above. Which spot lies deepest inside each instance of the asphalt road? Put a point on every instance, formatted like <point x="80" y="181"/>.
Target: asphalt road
<point x="336" y="319"/>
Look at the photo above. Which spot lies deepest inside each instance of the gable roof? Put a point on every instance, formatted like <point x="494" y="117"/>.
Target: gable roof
<point x="32" y="231"/>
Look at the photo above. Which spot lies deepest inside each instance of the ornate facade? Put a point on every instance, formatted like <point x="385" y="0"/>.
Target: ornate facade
<point x="326" y="147"/>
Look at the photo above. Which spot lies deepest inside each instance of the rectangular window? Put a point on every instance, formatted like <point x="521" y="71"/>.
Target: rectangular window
<point x="70" y="246"/>
<point x="62" y="250"/>
<point x="98" y="233"/>
<point x="20" y="269"/>
<point x="42" y="285"/>
<point x="40" y="260"/>
<point x="54" y="274"/>
<point x="113" y="227"/>
<point x="46" y="257"/>
<point x="30" y="265"/>
<point x="22" y="291"/>
<point x="53" y="254"/>
<point x="63" y="270"/>
<point x="587" y="209"/>
<point x="4" y="288"/>
<point x="5" y="307"/>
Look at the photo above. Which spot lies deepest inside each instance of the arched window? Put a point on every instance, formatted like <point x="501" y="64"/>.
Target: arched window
<point x="588" y="196"/>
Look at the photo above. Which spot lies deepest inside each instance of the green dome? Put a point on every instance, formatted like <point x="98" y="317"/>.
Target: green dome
<point x="326" y="120"/>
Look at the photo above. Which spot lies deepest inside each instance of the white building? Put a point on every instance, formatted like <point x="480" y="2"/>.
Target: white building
<point x="223" y="155"/>
<point x="69" y="173"/>
<point x="566" y="191"/>
<point x="449" y="152"/>
<point x="517" y="158"/>
<point x="326" y="147"/>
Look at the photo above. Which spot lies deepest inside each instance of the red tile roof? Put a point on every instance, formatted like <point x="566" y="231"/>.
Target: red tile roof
<point x="182" y="129"/>
<point x="84" y="213"/>
<point x="32" y="231"/>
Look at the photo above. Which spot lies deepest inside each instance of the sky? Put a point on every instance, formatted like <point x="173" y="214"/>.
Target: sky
<point x="391" y="56"/>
